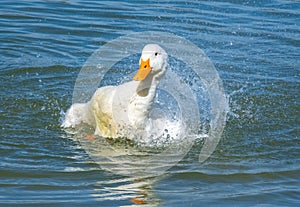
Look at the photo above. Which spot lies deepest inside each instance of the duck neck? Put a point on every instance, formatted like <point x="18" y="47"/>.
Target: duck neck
<point x="147" y="87"/>
<point x="142" y="101"/>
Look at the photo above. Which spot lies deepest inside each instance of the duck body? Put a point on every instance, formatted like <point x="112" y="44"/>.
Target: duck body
<point x="120" y="111"/>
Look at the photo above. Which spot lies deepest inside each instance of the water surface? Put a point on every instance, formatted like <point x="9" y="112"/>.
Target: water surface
<point x="255" y="48"/>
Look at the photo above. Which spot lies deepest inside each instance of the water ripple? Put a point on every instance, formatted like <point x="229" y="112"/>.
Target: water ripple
<point x="255" y="48"/>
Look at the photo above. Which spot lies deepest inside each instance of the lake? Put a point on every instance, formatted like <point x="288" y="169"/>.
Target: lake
<point x="255" y="49"/>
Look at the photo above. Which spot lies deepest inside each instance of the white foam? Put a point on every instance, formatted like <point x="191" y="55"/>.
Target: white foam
<point x="78" y="113"/>
<point x="158" y="131"/>
<point x="162" y="131"/>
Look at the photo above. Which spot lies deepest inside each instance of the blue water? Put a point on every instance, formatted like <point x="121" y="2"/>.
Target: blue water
<point x="254" y="46"/>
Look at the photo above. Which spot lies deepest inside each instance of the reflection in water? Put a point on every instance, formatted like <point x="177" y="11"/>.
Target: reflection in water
<point x="140" y="166"/>
<point x="137" y="191"/>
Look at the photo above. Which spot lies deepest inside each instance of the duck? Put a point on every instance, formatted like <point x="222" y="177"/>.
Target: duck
<point x="122" y="110"/>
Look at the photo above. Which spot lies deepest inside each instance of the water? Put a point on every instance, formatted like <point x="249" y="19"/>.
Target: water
<point x="255" y="48"/>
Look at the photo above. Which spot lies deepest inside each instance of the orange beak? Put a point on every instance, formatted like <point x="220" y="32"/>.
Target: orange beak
<point x="144" y="70"/>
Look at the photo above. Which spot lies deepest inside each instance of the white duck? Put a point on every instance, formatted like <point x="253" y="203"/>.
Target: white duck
<point x="116" y="111"/>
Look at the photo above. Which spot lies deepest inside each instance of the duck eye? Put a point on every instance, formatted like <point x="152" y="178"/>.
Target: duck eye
<point x="156" y="53"/>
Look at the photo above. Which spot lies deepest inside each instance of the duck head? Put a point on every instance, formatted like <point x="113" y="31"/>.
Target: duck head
<point x="153" y="62"/>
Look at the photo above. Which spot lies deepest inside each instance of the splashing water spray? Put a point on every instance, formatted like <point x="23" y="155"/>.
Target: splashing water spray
<point x="181" y="100"/>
